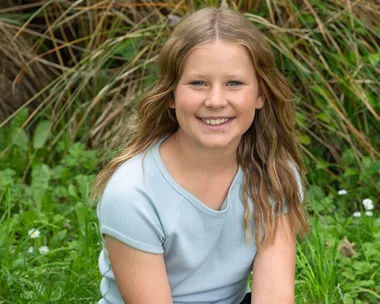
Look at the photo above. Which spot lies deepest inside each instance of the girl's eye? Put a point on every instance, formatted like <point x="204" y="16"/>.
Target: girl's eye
<point x="233" y="81"/>
<point x="236" y="82"/>
<point x="196" y="82"/>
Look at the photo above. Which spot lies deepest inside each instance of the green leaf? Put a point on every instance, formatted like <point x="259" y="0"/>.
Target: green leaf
<point x="322" y="116"/>
<point x="58" y="219"/>
<point x="84" y="183"/>
<point x="17" y="264"/>
<point x="58" y="238"/>
<point x="29" y="219"/>
<point x="322" y="164"/>
<point x="81" y="212"/>
<point x="7" y="177"/>
<point x="315" y="192"/>
<point x="73" y="191"/>
<point x="374" y="59"/>
<point x="309" y="19"/>
<point x="371" y="250"/>
<point x="19" y="160"/>
<point x="366" y="283"/>
<point x="347" y="158"/>
<point x="323" y="92"/>
<point x="347" y="299"/>
<point x="361" y="267"/>
<point x="19" y="119"/>
<point x="350" y="172"/>
<point x="40" y="182"/>
<point x="60" y="192"/>
<point x="305" y="139"/>
<point x="352" y="57"/>
<point x="41" y="134"/>
<point x="20" y="139"/>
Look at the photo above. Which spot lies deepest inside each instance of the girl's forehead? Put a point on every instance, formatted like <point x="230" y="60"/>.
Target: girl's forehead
<point x="233" y="59"/>
<point x="219" y="46"/>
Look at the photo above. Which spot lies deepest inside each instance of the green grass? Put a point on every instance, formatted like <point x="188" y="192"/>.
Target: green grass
<point x="67" y="224"/>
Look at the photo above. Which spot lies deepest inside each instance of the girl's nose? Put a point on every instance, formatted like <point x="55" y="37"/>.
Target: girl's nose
<point x="216" y="98"/>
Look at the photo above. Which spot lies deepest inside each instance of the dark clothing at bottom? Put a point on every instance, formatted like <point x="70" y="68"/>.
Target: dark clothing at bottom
<point x="247" y="299"/>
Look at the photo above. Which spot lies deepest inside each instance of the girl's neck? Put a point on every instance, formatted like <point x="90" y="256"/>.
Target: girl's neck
<point x="201" y="161"/>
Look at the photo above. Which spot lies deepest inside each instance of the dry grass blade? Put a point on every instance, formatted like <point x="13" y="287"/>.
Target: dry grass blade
<point x="14" y="56"/>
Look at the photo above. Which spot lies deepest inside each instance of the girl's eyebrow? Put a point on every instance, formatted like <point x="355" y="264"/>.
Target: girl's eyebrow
<point x="204" y="76"/>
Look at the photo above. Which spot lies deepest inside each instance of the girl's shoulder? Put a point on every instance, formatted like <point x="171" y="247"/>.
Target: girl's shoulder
<point x="133" y="173"/>
<point x="130" y="174"/>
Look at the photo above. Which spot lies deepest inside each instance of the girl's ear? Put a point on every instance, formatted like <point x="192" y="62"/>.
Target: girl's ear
<point x="172" y="103"/>
<point x="261" y="96"/>
<point x="260" y="99"/>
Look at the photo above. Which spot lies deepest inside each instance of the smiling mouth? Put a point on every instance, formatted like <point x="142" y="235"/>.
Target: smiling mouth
<point x="215" y="121"/>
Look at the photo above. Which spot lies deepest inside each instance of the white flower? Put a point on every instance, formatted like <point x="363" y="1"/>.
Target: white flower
<point x="368" y="204"/>
<point x="31" y="249"/>
<point x="368" y="213"/>
<point x="34" y="233"/>
<point x="342" y="192"/>
<point x="357" y="214"/>
<point x="43" y="249"/>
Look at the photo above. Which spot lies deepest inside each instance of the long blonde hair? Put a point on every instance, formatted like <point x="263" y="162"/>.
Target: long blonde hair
<point x="266" y="149"/>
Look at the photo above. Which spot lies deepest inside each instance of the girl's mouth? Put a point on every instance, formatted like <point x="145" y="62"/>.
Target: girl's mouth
<point x="216" y="122"/>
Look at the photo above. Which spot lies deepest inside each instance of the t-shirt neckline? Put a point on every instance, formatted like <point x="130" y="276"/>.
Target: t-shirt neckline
<point x="186" y="194"/>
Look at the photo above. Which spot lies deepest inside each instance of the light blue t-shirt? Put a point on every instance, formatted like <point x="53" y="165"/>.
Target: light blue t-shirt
<point x="207" y="259"/>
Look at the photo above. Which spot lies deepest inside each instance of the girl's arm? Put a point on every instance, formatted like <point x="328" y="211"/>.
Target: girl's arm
<point x="140" y="276"/>
<point x="274" y="267"/>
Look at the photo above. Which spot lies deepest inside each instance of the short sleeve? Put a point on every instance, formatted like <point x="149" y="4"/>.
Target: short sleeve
<point x="128" y="214"/>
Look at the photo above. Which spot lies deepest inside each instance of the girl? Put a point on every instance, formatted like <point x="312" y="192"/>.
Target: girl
<point x="211" y="163"/>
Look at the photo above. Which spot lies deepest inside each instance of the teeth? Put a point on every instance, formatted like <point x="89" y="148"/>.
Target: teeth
<point x="215" y="121"/>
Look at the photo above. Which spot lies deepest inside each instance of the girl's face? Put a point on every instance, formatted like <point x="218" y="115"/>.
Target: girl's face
<point x="217" y="95"/>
